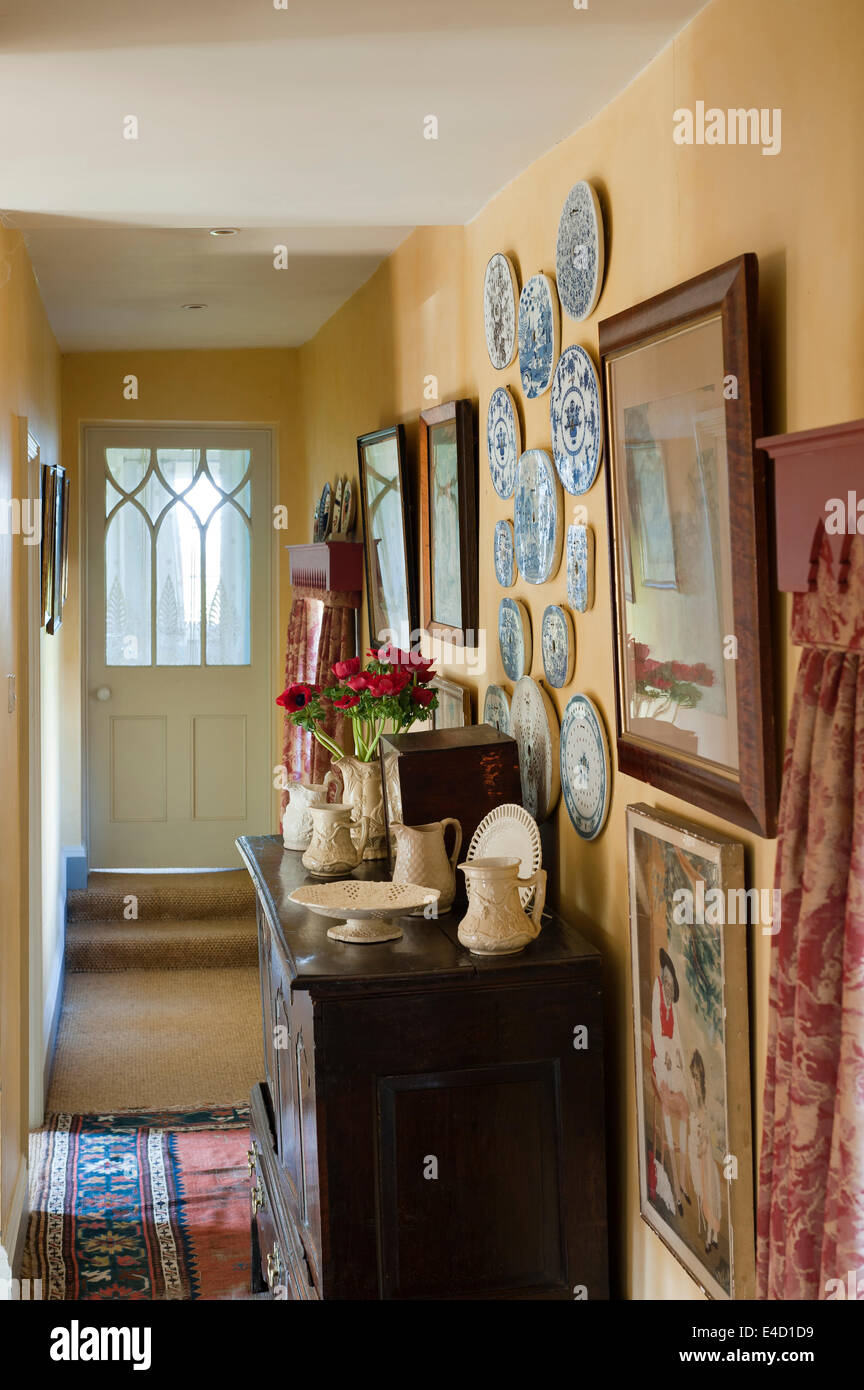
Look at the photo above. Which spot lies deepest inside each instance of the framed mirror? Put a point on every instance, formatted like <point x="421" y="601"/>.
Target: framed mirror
<point x="690" y="567"/>
<point x="387" y="538"/>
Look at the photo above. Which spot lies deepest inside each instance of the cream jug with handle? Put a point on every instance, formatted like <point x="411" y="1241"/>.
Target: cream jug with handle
<point x="421" y="857"/>
<point x="496" y="924"/>
<point x="296" y="821"/>
<point x="334" y="851"/>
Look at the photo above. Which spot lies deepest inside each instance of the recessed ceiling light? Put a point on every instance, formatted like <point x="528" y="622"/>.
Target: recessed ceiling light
<point x="223" y="231"/>
<point x="193" y="306"/>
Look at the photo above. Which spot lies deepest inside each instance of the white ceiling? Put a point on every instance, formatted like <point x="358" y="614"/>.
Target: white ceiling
<point x="302" y="127"/>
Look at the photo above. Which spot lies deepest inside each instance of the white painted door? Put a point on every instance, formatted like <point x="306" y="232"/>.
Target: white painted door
<point x="178" y="639"/>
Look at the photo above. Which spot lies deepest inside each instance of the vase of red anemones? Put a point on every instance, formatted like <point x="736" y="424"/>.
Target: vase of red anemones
<point x="392" y="692"/>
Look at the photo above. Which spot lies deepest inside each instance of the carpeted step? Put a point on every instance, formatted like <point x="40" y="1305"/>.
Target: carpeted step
<point x="194" y="944"/>
<point x="128" y="897"/>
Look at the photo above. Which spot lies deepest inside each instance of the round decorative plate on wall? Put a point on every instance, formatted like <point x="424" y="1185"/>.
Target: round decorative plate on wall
<point x="534" y="725"/>
<point x="558" y="645"/>
<point x="349" y="506"/>
<point x="500" y="295"/>
<point x="505" y="558"/>
<point x="514" y="637"/>
<point x="496" y="709"/>
<point x="585" y="768"/>
<point x="580" y="252"/>
<point x="539" y="334"/>
<point x="577" y="423"/>
<point x="508" y="832"/>
<point x="503" y="442"/>
<point x="325" y="508"/>
<point x="538" y="516"/>
<point x="336" y="519"/>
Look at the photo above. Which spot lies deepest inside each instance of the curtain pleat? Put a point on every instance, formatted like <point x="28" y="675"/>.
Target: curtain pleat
<point x="811" y="1189"/>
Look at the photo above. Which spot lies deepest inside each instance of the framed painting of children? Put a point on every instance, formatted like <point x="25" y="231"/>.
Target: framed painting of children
<point x="689" y="914"/>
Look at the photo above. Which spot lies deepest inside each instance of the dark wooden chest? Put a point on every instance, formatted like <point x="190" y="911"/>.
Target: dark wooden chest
<point x="431" y="1124"/>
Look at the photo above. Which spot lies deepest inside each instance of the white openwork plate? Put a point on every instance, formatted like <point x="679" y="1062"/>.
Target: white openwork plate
<point x="509" y="832"/>
<point x="367" y="907"/>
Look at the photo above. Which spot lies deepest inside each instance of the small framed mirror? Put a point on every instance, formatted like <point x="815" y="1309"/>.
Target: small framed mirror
<point x="387" y="536"/>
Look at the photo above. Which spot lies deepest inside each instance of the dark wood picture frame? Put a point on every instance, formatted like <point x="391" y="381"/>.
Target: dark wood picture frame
<point x="59" y="538"/>
<point x="48" y="550"/>
<point x="376" y="621"/>
<point x="749" y="799"/>
<point x="462" y="412"/>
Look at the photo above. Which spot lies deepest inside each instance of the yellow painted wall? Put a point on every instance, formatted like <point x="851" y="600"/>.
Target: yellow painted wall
<point x="671" y="212"/>
<point x="254" y="387"/>
<point x="29" y="386"/>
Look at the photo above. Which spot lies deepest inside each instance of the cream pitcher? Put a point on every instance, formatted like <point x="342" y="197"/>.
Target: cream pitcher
<point x="333" y="851"/>
<point x="421" y="857"/>
<point x="496" y="924"/>
<point x="296" y="821"/>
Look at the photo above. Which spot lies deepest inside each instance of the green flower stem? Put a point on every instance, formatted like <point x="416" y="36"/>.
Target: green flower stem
<point x="378" y="732"/>
<point x="328" y="743"/>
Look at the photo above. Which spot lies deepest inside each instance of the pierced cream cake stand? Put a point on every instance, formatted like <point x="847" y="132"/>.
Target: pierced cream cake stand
<point x="368" y="907"/>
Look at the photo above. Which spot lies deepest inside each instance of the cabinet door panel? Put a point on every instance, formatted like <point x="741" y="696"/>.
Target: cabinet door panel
<point x="470" y="1182"/>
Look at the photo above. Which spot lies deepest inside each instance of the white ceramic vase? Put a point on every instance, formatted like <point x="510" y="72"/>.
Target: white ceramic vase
<point x="365" y="794"/>
<point x="421" y="857"/>
<point x="333" y="850"/>
<point x="296" y="820"/>
<point x="496" y="924"/>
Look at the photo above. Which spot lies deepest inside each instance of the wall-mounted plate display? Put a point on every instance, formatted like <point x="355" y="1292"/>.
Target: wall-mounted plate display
<point x="514" y="637"/>
<point x="325" y="512"/>
<point x="505" y="556"/>
<point x="336" y="518"/>
<point x="577" y="421"/>
<point x="496" y="708"/>
<point x="585" y="769"/>
<point x="580" y="567"/>
<point x="509" y="832"/>
<point x="316" y="523"/>
<point x="580" y="252"/>
<point x="539" y="334"/>
<point x="538" y="517"/>
<point x="503" y="441"/>
<point x="558" y="645"/>
<point x="534" y="725"/>
<point x="349" y="506"/>
<point x="500" y="296"/>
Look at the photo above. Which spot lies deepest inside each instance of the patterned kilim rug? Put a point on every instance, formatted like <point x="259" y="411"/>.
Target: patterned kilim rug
<point x="141" y="1205"/>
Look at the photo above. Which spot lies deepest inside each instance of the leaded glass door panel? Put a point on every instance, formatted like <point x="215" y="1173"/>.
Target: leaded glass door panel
<point x="178" y="643"/>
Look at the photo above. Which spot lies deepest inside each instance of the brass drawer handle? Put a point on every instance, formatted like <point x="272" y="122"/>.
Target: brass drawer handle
<point x="274" y="1266"/>
<point x="257" y="1196"/>
<point x="251" y="1160"/>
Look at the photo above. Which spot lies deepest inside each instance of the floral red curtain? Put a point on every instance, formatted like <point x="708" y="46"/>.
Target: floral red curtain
<point x="811" y="1188"/>
<point x="321" y="630"/>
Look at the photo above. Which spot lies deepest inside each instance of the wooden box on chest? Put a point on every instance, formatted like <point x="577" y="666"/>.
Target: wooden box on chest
<point x="449" y="772"/>
<point x="427" y="1127"/>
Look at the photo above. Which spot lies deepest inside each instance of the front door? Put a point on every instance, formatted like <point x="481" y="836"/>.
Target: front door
<point x="178" y="639"/>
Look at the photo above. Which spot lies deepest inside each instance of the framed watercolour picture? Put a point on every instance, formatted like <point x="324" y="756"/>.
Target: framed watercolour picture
<point x="688" y="953"/>
<point x="688" y="515"/>
<point x="387" y="538"/>
<point x="454" y="704"/>
<point x="59" y="542"/>
<point x="48" y="546"/>
<point x="448" y="522"/>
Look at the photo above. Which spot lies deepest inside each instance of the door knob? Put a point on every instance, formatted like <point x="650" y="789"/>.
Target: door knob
<point x="104" y="692"/>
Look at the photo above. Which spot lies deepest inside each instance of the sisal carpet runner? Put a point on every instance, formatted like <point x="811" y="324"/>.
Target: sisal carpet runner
<point x="142" y="1205"/>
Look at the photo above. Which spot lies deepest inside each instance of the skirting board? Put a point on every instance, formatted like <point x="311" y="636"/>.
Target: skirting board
<point x="15" y="1233"/>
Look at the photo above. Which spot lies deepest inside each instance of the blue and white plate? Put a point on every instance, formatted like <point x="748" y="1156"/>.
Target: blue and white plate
<point x="558" y="645"/>
<point x="514" y="638"/>
<point x="500" y="293"/>
<point x="505" y="559"/>
<point x="496" y="709"/>
<point x="585" y="768"/>
<point x="577" y="423"/>
<point x="325" y="511"/>
<point x="537" y="512"/>
<point x="503" y="441"/>
<point x="534" y="725"/>
<point x="539" y="334"/>
<point x="580" y="567"/>
<point x="580" y="252"/>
